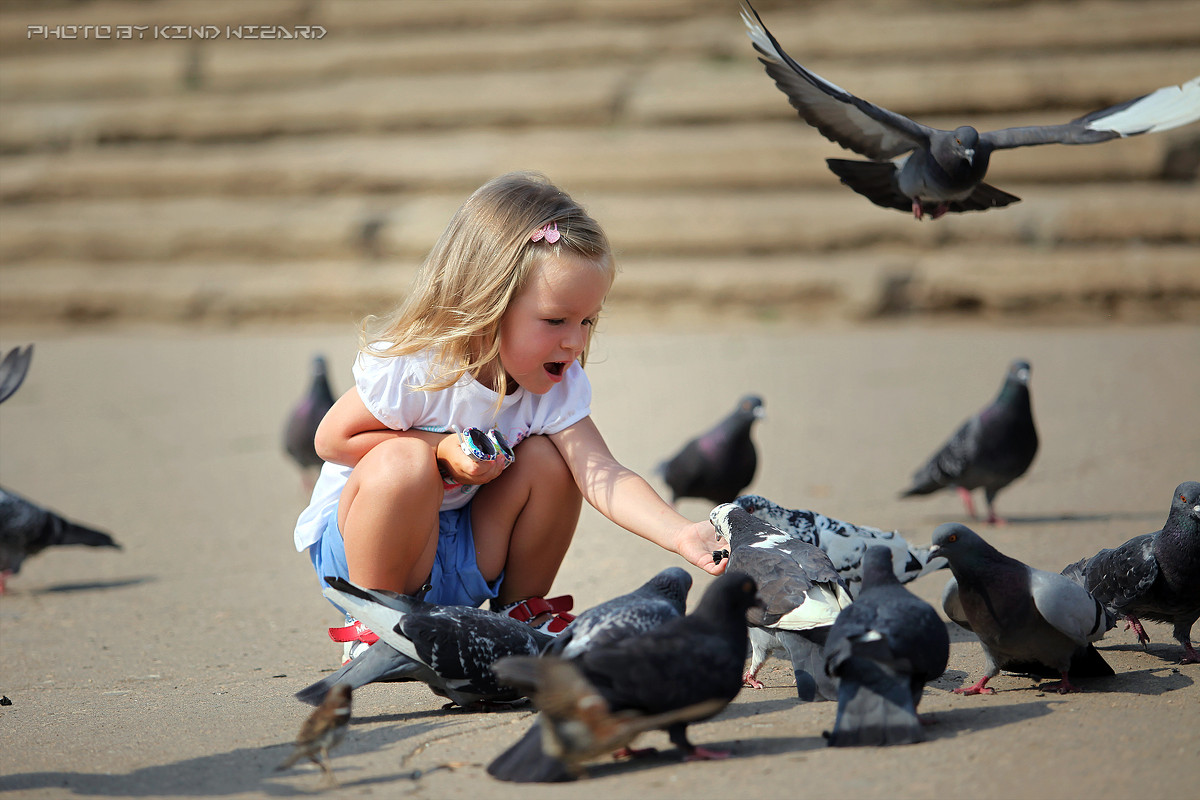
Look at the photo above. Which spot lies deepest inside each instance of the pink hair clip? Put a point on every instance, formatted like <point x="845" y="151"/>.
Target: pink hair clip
<point x="549" y="233"/>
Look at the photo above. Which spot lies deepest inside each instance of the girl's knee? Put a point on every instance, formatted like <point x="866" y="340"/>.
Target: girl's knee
<point x="540" y="454"/>
<point x="396" y="466"/>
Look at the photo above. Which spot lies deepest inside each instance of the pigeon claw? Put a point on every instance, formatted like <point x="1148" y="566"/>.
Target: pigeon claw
<point x="977" y="688"/>
<point x="704" y="754"/>
<point x="1190" y="656"/>
<point x="749" y="680"/>
<point x="1063" y="686"/>
<point x="1136" y="624"/>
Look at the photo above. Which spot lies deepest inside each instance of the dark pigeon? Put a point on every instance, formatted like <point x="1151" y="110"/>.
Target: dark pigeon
<point x="27" y="529"/>
<point x="1025" y="618"/>
<point x="457" y="645"/>
<point x="13" y="369"/>
<point x="927" y="170"/>
<point x="801" y="593"/>
<point x="884" y="649"/>
<point x="659" y="599"/>
<point x="1153" y="576"/>
<point x="576" y="724"/>
<point x="990" y="450"/>
<point x="304" y="418"/>
<point x="685" y="661"/>
<point x="718" y="464"/>
<point x="844" y="542"/>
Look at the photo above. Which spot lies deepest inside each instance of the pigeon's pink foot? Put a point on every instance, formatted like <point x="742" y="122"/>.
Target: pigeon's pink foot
<point x="1142" y="637"/>
<point x="1064" y="686"/>
<point x="918" y="212"/>
<point x="629" y="752"/>
<point x="965" y="494"/>
<point x="977" y="688"/>
<point x="927" y="719"/>
<point x="749" y="680"/>
<point x="995" y="520"/>
<point x="704" y="754"/>
<point x="940" y="211"/>
<point x="1189" y="654"/>
<point x="3" y="580"/>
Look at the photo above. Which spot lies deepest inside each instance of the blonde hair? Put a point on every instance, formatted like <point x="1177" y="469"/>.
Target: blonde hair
<point x="481" y="262"/>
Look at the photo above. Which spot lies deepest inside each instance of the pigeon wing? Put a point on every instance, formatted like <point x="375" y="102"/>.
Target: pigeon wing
<point x="1068" y="607"/>
<point x="850" y="121"/>
<point x="13" y="369"/>
<point x="952" y="605"/>
<point x="1118" y="577"/>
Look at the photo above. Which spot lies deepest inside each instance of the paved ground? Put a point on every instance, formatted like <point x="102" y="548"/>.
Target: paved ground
<point x="167" y="669"/>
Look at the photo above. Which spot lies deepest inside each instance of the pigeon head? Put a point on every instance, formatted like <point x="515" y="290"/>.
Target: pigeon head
<point x="965" y="143"/>
<point x="751" y="406"/>
<point x="1019" y="371"/>
<point x="673" y="583"/>
<point x="1186" y="501"/>
<point x="877" y="567"/>
<point x="959" y="544"/>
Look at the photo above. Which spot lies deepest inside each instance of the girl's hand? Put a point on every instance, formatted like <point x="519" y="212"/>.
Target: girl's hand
<point x="696" y="543"/>
<point x="464" y="469"/>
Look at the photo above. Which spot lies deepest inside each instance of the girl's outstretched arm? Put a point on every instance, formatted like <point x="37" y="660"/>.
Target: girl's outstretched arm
<point x="628" y="500"/>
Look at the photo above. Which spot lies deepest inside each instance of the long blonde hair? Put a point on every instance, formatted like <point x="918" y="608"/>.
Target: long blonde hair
<point x="478" y="265"/>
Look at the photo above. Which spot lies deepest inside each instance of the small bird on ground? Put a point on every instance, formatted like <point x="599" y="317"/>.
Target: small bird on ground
<point x="659" y="599"/>
<point x="991" y="449"/>
<point x="456" y="645"/>
<point x="1025" y="618"/>
<point x="1153" y="576"/>
<point x="883" y="648"/>
<point x="844" y="542"/>
<point x="27" y="529"/>
<point x="681" y="664"/>
<point x="576" y="722"/>
<point x="323" y="730"/>
<point x="719" y="464"/>
<point x="930" y="171"/>
<point x="304" y="418"/>
<point x="13" y="369"/>
<point x="801" y="593"/>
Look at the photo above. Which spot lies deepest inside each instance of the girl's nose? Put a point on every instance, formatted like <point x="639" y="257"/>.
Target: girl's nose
<point x="574" y="339"/>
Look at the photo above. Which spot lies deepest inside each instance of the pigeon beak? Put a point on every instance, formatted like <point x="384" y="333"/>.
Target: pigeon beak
<point x="970" y="154"/>
<point x="933" y="549"/>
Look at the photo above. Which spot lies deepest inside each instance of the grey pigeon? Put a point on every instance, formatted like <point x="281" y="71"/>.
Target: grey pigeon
<point x="305" y="416"/>
<point x="801" y="592"/>
<point x="684" y="662"/>
<point x="13" y="369"/>
<point x="1153" y="576"/>
<point x="718" y="464"/>
<point x="844" y="542"/>
<point x="990" y="450"/>
<point x="27" y="529"/>
<point x="659" y="599"/>
<point x="884" y="648"/>
<point x="323" y="730"/>
<point x="662" y="597"/>
<point x="457" y="644"/>
<point x="927" y="170"/>
<point x="1025" y="618"/>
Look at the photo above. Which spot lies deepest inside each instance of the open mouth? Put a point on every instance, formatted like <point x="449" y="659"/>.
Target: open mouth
<point x="555" y="368"/>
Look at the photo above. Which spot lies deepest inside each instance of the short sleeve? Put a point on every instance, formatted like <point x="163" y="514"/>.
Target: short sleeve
<point x="387" y="386"/>
<point x="565" y="404"/>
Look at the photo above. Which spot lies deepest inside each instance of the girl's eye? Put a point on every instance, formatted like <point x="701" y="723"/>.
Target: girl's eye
<point x="589" y="321"/>
<point x="554" y="322"/>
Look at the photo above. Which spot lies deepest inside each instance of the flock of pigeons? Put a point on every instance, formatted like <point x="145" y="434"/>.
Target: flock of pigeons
<point x="825" y="594"/>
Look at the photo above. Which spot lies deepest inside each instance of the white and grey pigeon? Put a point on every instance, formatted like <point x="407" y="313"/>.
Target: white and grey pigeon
<point x="921" y="169"/>
<point x="659" y="599"/>
<point x="990" y="450"/>
<point x="301" y="429"/>
<point x="801" y="596"/>
<point x="1153" y="576"/>
<point x="719" y="463"/>
<point x="1026" y="619"/>
<point x="844" y="542"/>
<point x="884" y="648"/>
<point x="458" y="644"/>
<point x="13" y="369"/>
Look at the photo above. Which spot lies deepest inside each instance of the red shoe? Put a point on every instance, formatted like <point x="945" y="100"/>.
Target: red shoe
<point x="355" y="638"/>
<point x="535" y="607"/>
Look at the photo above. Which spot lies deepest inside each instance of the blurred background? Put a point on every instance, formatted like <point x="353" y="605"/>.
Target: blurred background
<point x="219" y="180"/>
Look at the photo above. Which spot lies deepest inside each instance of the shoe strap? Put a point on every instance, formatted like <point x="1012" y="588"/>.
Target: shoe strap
<point x="355" y="632"/>
<point x="536" y="606"/>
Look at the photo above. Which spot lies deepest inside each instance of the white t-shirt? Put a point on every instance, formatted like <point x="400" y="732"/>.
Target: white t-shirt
<point x="386" y="387"/>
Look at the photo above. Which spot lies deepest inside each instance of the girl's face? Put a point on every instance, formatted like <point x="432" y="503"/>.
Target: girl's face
<point x="547" y="324"/>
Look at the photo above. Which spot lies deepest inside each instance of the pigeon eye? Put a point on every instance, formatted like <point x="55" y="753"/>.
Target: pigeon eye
<point x="952" y="537"/>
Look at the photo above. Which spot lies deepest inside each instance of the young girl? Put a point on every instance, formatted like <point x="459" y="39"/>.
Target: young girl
<point x="493" y="336"/>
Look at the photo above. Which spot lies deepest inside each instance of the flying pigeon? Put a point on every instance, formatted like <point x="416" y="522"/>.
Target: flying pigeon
<point x="927" y="170"/>
<point x="323" y="730"/>
<point x="1025" y="618"/>
<point x="304" y="418"/>
<point x="845" y="543"/>
<point x="456" y="644"/>
<point x="13" y="369"/>
<point x="719" y="464"/>
<point x="883" y="648"/>
<point x="683" y="662"/>
<point x="1153" y="576"/>
<point x="801" y="593"/>
<point x="991" y="449"/>
<point x="27" y="529"/>
<point x="659" y="599"/>
<point x="576" y="724"/>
